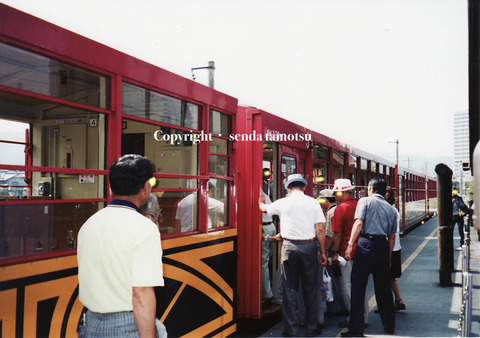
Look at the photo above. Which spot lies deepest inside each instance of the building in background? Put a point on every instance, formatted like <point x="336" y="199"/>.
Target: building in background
<point x="461" y="171"/>
<point x="12" y="183"/>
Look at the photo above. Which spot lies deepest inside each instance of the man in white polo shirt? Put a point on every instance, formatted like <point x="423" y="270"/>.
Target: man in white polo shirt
<point x="120" y="258"/>
<point x="301" y="228"/>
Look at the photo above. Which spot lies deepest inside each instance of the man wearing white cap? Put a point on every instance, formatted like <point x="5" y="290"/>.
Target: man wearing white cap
<point x="342" y="227"/>
<point x="301" y="226"/>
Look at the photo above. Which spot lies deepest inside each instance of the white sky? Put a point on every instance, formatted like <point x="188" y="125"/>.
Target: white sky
<point x="364" y="72"/>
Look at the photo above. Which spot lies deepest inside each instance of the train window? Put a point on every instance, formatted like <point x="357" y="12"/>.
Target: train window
<point x="52" y="185"/>
<point x="172" y="151"/>
<point x="338" y="157"/>
<point x="218" y="158"/>
<point x="352" y="175"/>
<point x="321" y="153"/>
<point x="58" y="151"/>
<point x="53" y="224"/>
<point x="164" y="183"/>
<point x="373" y="168"/>
<point x="179" y="212"/>
<point x="338" y="164"/>
<point x="338" y="171"/>
<point x="220" y="124"/>
<point x="352" y="161"/>
<point x="352" y="168"/>
<point x="58" y="137"/>
<point x="12" y="141"/>
<point x="219" y="161"/>
<point x="74" y="141"/>
<point x="217" y="202"/>
<point x="39" y="74"/>
<point x="320" y="177"/>
<point x="218" y="165"/>
<point x="288" y="165"/>
<point x="320" y="172"/>
<point x="364" y="164"/>
<point x="144" y="103"/>
<point x="269" y="153"/>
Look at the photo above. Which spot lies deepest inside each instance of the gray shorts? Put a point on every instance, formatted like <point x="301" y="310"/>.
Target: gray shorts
<point x="115" y="324"/>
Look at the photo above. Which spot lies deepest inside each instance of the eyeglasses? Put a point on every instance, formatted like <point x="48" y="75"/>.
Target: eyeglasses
<point x="152" y="181"/>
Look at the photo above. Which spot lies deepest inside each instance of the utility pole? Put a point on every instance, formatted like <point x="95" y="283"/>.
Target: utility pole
<point x="211" y="73"/>
<point x="396" y="141"/>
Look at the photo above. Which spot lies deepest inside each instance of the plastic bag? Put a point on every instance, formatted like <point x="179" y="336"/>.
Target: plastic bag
<point x="327" y="291"/>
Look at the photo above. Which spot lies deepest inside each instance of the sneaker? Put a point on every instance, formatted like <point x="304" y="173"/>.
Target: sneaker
<point x="459" y="248"/>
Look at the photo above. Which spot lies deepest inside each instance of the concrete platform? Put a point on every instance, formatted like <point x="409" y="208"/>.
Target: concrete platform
<point x="431" y="310"/>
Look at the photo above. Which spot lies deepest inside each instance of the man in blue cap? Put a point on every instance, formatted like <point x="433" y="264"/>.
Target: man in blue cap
<point x="301" y="229"/>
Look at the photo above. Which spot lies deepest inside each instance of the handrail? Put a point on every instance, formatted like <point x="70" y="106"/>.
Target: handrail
<point x="464" y="327"/>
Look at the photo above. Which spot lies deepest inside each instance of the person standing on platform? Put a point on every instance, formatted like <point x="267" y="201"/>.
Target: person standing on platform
<point x="120" y="258"/>
<point x="459" y="210"/>
<point x="342" y="226"/>
<point x="268" y="229"/>
<point x="327" y="201"/>
<point x="302" y="225"/>
<point x="376" y="224"/>
<point x="396" y="260"/>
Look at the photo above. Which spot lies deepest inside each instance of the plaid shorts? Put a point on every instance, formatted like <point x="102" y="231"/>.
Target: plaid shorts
<point x="116" y="324"/>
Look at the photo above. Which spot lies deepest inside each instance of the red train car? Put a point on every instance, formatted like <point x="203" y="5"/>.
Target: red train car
<point x="81" y="105"/>
<point x="268" y="141"/>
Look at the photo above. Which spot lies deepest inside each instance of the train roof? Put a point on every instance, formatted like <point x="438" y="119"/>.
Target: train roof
<point x="282" y="125"/>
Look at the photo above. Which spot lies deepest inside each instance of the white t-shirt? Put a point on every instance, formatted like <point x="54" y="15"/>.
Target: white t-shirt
<point x="185" y="211"/>
<point x="118" y="248"/>
<point x="298" y="214"/>
<point x="397" y="245"/>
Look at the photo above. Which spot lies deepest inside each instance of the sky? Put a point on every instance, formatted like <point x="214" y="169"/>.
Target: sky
<point x="364" y="72"/>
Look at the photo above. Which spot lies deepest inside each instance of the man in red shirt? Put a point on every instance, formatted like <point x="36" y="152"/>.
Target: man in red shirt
<point x="342" y="224"/>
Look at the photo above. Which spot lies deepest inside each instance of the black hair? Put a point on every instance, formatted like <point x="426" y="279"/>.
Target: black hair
<point x="390" y="195"/>
<point x="129" y="173"/>
<point x="296" y="184"/>
<point x="331" y="199"/>
<point x="378" y="185"/>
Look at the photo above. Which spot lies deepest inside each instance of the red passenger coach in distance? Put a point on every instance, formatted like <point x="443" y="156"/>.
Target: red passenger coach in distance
<point x="80" y="105"/>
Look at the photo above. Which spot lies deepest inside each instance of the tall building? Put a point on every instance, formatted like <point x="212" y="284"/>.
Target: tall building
<point x="461" y="149"/>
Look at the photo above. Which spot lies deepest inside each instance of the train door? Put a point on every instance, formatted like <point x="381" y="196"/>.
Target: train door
<point x="281" y="161"/>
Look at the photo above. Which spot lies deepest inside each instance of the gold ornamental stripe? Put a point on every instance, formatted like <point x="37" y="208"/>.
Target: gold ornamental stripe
<point x="205" y="288"/>
<point x="227" y="332"/>
<point x="37" y="268"/>
<point x="193" y="258"/>
<point x="195" y="239"/>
